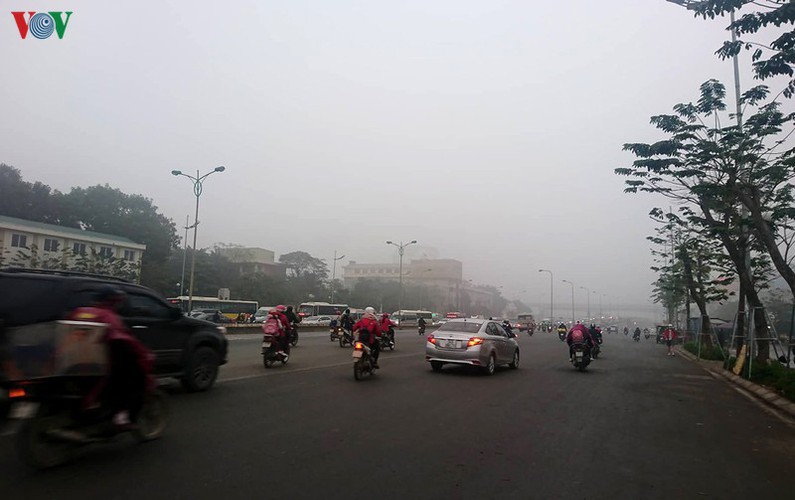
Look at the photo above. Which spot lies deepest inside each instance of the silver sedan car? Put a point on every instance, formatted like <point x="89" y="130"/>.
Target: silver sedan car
<point x="475" y="342"/>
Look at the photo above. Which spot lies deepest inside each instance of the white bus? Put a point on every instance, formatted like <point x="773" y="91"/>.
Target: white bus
<point x="229" y="308"/>
<point x="320" y="309"/>
<point x="408" y="317"/>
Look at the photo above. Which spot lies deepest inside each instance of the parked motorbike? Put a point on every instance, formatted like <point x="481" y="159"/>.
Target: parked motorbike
<point x="55" y="426"/>
<point x="388" y="340"/>
<point x="579" y="356"/>
<point x="346" y="337"/>
<point x="270" y="352"/>
<point x="362" y="361"/>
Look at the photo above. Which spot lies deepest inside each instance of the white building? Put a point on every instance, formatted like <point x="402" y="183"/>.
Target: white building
<point x="56" y="243"/>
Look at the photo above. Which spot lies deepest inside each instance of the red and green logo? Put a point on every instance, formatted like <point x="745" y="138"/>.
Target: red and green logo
<point x="41" y="24"/>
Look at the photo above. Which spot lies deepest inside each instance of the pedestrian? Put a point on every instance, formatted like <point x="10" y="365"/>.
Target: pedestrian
<point x="669" y="335"/>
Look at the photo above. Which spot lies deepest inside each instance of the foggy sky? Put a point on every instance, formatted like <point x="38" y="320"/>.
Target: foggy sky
<point x="488" y="130"/>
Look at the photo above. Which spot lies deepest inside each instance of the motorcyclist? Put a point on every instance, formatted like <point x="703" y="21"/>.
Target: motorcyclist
<point x="596" y="333"/>
<point x="293" y="318"/>
<point x="346" y="321"/>
<point x="626" y="330"/>
<point x="387" y="326"/>
<point x="579" y="335"/>
<point x="421" y="324"/>
<point x="369" y="331"/>
<point x="284" y="329"/>
<point x="506" y="325"/>
<point x="129" y="377"/>
<point x="636" y="333"/>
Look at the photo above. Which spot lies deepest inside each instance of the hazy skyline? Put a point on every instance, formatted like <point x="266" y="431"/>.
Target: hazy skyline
<point x="488" y="130"/>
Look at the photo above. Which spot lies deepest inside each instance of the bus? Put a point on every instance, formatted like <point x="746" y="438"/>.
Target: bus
<point x="320" y="309"/>
<point x="229" y="308"/>
<point x="407" y="317"/>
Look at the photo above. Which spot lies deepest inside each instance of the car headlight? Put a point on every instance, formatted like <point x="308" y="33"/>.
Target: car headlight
<point x="221" y="330"/>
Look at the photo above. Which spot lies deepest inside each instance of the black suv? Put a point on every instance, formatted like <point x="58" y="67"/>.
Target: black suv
<point x="185" y="348"/>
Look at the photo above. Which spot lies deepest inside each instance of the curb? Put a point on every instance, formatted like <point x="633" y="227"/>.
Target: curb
<point x="759" y="392"/>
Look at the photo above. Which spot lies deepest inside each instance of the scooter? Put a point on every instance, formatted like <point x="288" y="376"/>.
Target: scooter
<point x="421" y="330"/>
<point x="56" y="426"/>
<point x="363" y="365"/>
<point x="270" y="352"/>
<point x="636" y="337"/>
<point x="579" y="356"/>
<point x="346" y="337"/>
<point x="294" y="335"/>
<point x="334" y="334"/>
<point x="562" y="335"/>
<point x="388" y="340"/>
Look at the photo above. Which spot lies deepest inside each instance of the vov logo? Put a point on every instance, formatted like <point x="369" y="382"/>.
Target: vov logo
<point x="41" y="24"/>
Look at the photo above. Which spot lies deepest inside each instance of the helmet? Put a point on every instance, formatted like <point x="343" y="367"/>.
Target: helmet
<point x="281" y="308"/>
<point x="369" y="310"/>
<point x="505" y="321"/>
<point x="347" y="311"/>
<point x="289" y="308"/>
<point x="385" y="315"/>
<point x="109" y="294"/>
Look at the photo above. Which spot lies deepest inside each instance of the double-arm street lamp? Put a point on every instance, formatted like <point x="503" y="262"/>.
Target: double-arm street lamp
<point x="334" y="273"/>
<point x="197" y="190"/>
<point x="572" y="299"/>
<point x="551" y="294"/>
<point x="401" y="247"/>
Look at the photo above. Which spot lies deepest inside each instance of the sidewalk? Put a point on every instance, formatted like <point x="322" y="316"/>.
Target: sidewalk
<point x="763" y="393"/>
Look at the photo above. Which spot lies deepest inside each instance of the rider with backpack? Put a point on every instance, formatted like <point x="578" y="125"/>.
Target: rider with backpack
<point x="579" y="334"/>
<point x="278" y="325"/>
<point x="369" y="330"/>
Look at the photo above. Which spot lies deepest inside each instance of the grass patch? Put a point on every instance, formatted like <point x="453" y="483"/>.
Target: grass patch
<point x="776" y="376"/>
<point x="712" y="353"/>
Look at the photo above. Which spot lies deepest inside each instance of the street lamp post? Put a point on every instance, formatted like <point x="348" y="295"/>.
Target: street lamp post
<point x="197" y="190"/>
<point x="601" y="316"/>
<point x="401" y="247"/>
<point x="587" y="294"/>
<point x="572" y="299"/>
<point x="334" y="273"/>
<point x="184" y="255"/>
<point x="551" y="294"/>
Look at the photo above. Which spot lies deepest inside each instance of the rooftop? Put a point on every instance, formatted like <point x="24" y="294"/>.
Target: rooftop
<point x="63" y="229"/>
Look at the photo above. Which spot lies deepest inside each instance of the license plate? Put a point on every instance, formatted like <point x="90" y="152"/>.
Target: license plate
<point x="452" y="344"/>
<point x="266" y="345"/>
<point x="357" y="354"/>
<point x="24" y="410"/>
<point x="578" y="354"/>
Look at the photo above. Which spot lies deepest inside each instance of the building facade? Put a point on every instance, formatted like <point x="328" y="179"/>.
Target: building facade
<point x="254" y="261"/>
<point x="25" y="243"/>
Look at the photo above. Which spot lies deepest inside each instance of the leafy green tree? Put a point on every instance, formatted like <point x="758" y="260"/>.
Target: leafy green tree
<point x="701" y="164"/>
<point x="25" y="200"/>
<point x="772" y="59"/>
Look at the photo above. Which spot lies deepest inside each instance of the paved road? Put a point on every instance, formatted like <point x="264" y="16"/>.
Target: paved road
<point x="638" y="424"/>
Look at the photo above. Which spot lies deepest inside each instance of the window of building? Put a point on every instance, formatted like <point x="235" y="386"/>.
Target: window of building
<point x="19" y="240"/>
<point x="129" y="255"/>
<point x="51" y="245"/>
<point x="79" y="248"/>
<point x="105" y="252"/>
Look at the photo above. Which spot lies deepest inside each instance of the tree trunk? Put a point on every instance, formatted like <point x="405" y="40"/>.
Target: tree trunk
<point x="740" y="324"/>
<point x="698" y="298"/>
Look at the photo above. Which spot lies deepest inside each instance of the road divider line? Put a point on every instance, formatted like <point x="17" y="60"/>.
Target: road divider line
<point x="278" y="371"/>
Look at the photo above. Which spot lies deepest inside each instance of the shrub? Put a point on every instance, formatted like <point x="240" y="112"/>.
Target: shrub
<point x="712" y="352"/>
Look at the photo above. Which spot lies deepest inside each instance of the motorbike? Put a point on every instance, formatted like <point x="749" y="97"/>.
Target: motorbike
<point x="421" y="330"/>
<point x="562" y="335"/>
<point x="270" y="352"/>
<point x="55" y="426"/>
<point x="294" y="335"/>
<point x="334" y="334"/>
<point x="579" y="356"/>
<point x="646" y="334"/>
<point x="362" y="361"/>
<point x="597" y="348"/>
<point x="346" y="337"/>
<point x="636" y="337"/>
<point x="388" y="340"/>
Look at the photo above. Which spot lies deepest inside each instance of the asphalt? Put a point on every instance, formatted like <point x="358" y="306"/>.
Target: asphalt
<point x="637" y="424"/>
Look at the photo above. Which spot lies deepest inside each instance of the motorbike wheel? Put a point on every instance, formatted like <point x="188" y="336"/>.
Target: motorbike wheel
<point x="154" y="417"/>
<point x="331" y="337"/>
<point x="294" y="340"/>
<point x="36" y="448"/>
<point x="342" y="342"/>
<point x="267" y="361"/>
<point x="357" y="371"/>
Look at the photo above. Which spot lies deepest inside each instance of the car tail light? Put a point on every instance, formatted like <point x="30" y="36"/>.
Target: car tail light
<point x="16" y="392"/>
<point x="432" y="339"/>
<point x="474" y="341"/>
